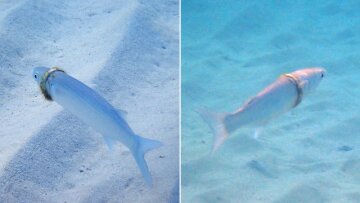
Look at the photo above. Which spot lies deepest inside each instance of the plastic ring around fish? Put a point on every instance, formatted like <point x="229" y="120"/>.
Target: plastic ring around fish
<point x="44" y="79"/>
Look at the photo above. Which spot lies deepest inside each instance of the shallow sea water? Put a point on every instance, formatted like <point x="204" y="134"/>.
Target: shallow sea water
<point x="231" y="50"/>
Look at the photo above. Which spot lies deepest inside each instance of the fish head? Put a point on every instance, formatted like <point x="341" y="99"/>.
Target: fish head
<point x="310" y="78"/>
<point x="38" y="73"/>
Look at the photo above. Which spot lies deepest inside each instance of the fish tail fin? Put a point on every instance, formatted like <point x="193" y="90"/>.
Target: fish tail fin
<point x="217" y="125"/>
<point x="144" y="145"/>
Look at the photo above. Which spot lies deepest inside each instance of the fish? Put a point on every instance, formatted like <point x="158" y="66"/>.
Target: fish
<point x="281" y="96"/>
<point x="86" y="104"/>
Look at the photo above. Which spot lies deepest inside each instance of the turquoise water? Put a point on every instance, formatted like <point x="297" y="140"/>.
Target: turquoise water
<point x="233" y="49"/>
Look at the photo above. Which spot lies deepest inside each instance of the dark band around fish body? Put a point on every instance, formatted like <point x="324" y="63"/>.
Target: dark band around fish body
<point x="296" y="81"/>
<point x="44" y="79"/>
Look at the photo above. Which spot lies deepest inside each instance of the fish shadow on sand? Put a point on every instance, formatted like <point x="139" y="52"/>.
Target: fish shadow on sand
<point x="303" y="193"/>
<point x="40" y="166"/>
<point x="261" y="169"/>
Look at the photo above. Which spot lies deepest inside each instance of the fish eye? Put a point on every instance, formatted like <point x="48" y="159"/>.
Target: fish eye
<point x="35" y="76"/>
<point x="322" y="75"/>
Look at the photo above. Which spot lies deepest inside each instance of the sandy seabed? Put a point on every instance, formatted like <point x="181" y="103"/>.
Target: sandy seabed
<point x="311" y="154"/>
<point x="128" y="52"/>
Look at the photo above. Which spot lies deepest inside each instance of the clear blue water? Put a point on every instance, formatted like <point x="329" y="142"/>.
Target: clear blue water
<point x="233" y="49"/>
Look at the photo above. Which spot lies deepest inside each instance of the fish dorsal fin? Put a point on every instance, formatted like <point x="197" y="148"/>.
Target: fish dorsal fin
<point x="249" y="101"/>
<point x="122" y="113"/>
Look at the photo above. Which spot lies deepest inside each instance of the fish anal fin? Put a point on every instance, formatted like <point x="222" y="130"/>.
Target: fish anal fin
<point x="109" y="142"/>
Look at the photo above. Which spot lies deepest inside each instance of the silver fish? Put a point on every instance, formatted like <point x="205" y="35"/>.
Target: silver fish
<point x="275" y="100"/>
<point x="95" y="111"/>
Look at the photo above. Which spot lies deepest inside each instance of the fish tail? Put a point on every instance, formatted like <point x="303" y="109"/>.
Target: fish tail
<point x="144" y="145"/>
<point x="217" y="125"/>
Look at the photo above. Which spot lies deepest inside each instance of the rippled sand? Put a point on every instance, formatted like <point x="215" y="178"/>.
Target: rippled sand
<point x="308" y="155"/>
<point x="125" y="50"/>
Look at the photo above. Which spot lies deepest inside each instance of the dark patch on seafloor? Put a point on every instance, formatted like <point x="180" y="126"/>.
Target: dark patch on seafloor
<point x="344" y="148"/>
<point x="260" y="168"/>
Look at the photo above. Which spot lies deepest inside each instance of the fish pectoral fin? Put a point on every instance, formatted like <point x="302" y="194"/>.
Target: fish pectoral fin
<point x="92" y="85"/>
<point x="257" y="132"/>
<point x="109" y="142"/>
<point x="303" y="83"/>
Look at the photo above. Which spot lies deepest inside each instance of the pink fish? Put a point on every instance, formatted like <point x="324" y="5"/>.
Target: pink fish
<point x="275" y="100"/>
